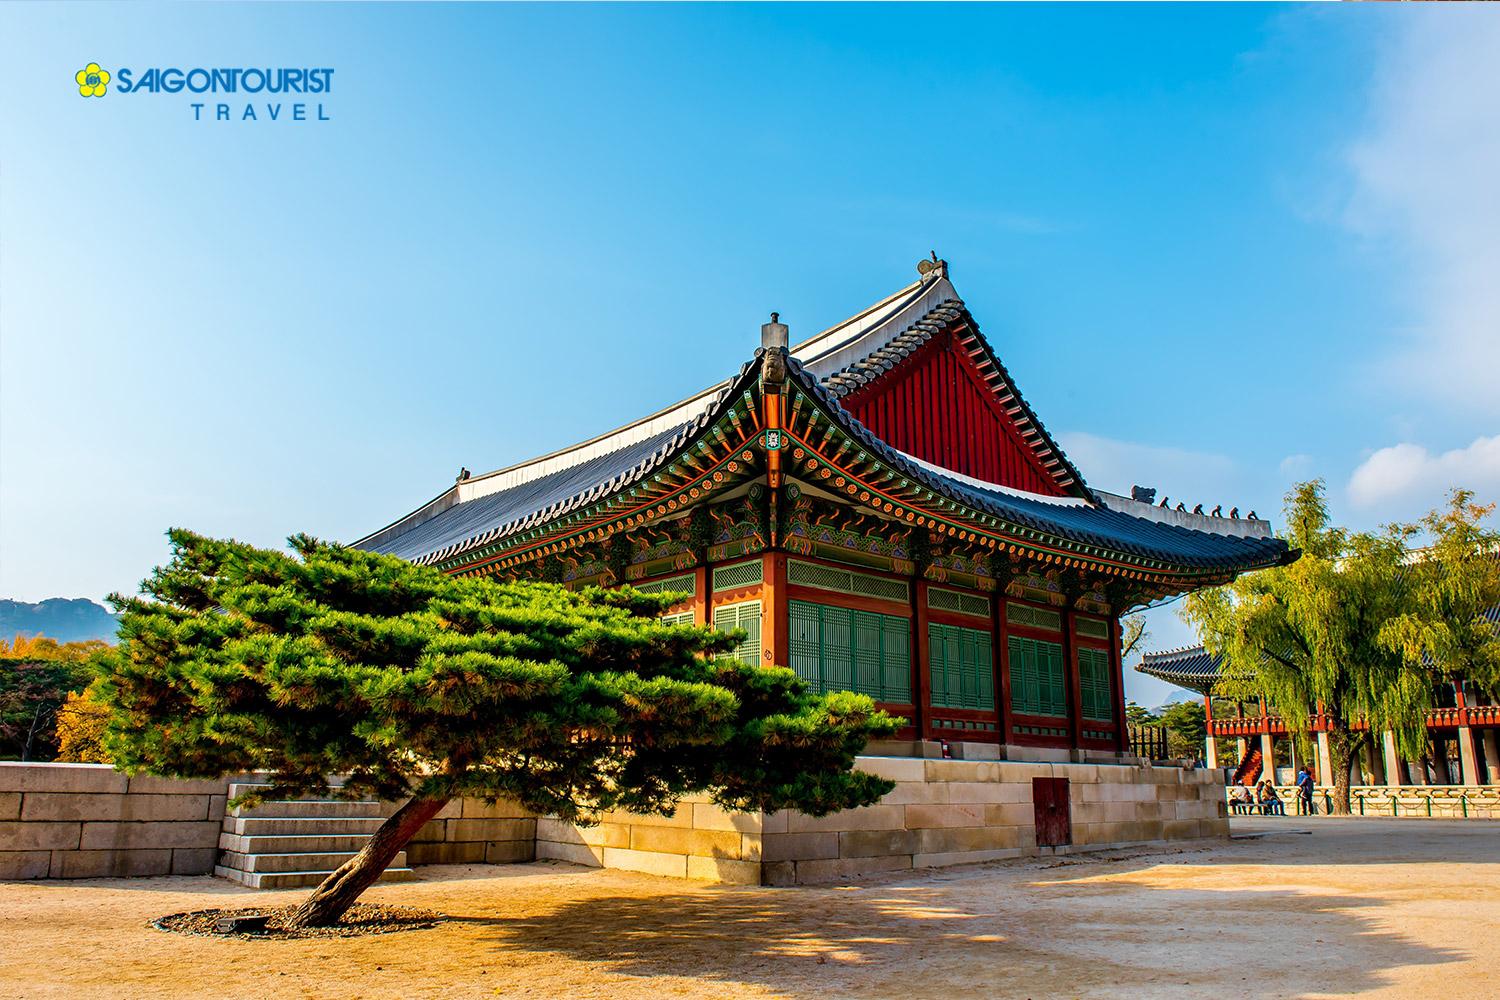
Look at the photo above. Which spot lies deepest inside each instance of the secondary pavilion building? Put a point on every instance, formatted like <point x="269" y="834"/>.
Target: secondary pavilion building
<point x="877" y="508"/>
<point x="1463" y="731"/>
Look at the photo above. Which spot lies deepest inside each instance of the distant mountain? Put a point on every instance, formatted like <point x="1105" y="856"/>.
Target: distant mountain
<point x="61" y="618"/>
<point x="1174" y="698"/>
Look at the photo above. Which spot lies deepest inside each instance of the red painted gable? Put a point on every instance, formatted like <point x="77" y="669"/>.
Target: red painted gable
<point x="936" y="405"/>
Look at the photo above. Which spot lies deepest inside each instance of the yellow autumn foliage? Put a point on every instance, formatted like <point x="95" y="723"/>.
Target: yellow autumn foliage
<point x="80" y="729"/>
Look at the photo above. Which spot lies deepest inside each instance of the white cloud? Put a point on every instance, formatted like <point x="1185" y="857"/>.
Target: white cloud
<point x="1115" y="466"/>
<point x="1408" y="479"/>
<point x="1296" y="467"/>
<point x="1427" y="178"/>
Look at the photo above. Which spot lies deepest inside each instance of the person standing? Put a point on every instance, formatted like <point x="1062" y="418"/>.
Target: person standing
<point x="1305" y="790"/>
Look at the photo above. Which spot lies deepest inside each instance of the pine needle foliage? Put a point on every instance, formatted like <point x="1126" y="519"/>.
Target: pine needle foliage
<point x="414" y="684"/>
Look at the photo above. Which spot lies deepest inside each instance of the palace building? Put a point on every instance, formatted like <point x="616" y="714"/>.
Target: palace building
<point x="877" y="508"/>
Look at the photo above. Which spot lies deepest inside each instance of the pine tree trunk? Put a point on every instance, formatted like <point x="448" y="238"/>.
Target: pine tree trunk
<point x="340" y="889"/>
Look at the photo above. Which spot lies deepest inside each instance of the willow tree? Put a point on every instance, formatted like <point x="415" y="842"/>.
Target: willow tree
<point x="416" y="686"/>
<point x="1307" y="636"/>
<point x="1448" y="628"/>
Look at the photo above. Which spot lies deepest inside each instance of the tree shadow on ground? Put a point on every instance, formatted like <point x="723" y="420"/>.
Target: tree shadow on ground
<point x="982" y="931"/>
<point x="1344" y="840"/>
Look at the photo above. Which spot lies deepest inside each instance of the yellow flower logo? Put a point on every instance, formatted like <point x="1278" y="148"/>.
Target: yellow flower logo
<point x="92" y="81"/>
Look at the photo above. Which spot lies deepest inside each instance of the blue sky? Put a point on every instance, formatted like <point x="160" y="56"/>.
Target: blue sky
<point x="1220" y="248"/>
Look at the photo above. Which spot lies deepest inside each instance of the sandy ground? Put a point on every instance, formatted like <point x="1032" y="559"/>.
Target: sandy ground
<point x="1376" y="907"/>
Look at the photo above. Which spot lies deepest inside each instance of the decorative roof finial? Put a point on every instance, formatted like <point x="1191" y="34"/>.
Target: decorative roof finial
<point x="928" y="266"/>
<point x="774" y="335"/>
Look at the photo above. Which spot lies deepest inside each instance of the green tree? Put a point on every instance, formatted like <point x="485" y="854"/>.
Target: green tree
<point x="1453" y="585"/>
<point x="1307" y="635"/>
<point x="419" y="686"/>
<point x="1187" y="726"/>
<point x="1138" y="716"/>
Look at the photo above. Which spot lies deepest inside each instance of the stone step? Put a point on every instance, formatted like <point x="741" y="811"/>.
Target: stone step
<point x="299" y="880"/>
<point x="312" y="842"/>
<point x="301" y="826"/>
<point x="330" y="808"/>
<point x="241" y="787"/>
<point x="300" y="862"/>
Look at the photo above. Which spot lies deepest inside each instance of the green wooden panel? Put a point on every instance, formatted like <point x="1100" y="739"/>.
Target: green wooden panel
<point x="1037" y="684"/>
<point x="961" y="667"/>
<point x="806" y="642"/>
<point x="838" y="648"/>
<point x="739" y="575"/>
<point x="984" y="655"/>
<point x="895" y="658"/>
<point x="684" y="584"/>
<point x="1094" y="686"/>
<point x="1054" y="680"/>
<point x="867" y="656"/>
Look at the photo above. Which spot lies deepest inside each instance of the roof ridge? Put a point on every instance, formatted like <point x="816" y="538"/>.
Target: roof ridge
<point x="1190" y="648"/>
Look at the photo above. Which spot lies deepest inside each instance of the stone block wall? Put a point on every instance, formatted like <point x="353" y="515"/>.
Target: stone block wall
<point x="471" y="831"/>
<point x="699" y="840"/>
<point x="89" y="821"/>
<point x="942" y="812"/>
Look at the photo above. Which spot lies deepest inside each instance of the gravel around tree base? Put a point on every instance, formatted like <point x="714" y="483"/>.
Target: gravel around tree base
<point x="361" y="919"/>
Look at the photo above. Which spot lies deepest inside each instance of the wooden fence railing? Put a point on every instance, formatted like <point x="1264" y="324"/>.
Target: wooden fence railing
<point x="1149" y="742"/>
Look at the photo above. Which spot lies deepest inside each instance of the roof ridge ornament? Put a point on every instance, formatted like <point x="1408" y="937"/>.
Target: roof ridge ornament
<point x="927" y="267"/>
<point x="774" y="338"/>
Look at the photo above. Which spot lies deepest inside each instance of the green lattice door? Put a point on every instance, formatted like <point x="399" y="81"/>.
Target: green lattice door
<point x="962" y="668"/>
<point x="837" y="649"/>
<point x="1093" y="684"/>
<point x="745" y="615"/>
<point x="1037" y="685"/>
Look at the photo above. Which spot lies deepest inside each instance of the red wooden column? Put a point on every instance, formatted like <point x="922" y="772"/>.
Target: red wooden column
<point x="775" y="622"/>
<point x="921" y="660"/>
<point x="1070" y="673"/>
<point x="702" y="599"/>
<point x="1117" y="678"/>
<point x="1000" y="649"/>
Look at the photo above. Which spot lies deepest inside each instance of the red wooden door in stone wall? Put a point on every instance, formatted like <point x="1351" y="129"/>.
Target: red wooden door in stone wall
<point x="1054" y="814"/>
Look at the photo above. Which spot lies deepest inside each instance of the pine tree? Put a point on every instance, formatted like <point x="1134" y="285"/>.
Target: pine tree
<point x="422" y="687"/>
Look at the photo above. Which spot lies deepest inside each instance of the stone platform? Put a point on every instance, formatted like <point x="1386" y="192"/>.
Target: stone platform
<point x="942" y="812"/>
<point x="83" y="821"/>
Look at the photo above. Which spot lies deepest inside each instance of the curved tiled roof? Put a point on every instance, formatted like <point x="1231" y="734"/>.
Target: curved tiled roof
<point x="1192" y="667"/>
<point x="854" y="376"/>
<point x="828" y="367"/>
<point x="536" y="501"/>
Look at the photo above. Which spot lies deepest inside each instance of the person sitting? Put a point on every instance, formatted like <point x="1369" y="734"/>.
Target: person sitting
<point x="1239" y="801"/>
<point x="1270" y="802"/>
